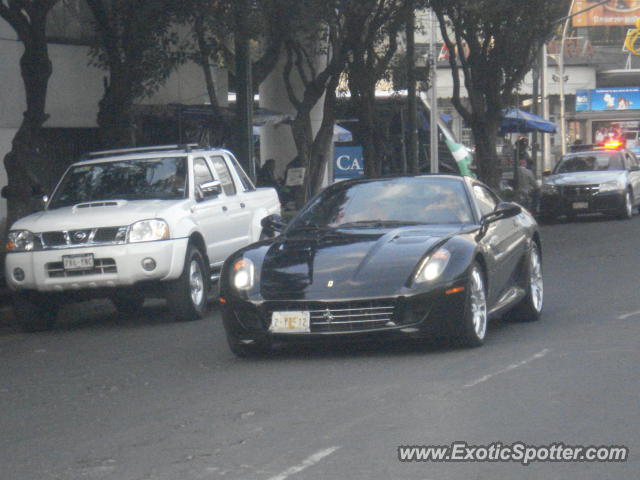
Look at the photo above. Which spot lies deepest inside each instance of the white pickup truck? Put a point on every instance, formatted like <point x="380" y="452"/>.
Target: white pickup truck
<point x="126" y="224"/>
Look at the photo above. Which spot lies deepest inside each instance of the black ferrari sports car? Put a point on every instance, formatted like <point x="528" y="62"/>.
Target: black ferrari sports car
<point x="414" y="256"/>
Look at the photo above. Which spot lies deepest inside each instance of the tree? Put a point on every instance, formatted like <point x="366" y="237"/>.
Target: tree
<point x="212" y="26"/>
<point x="372" y="27"/>
<point x="138" y="46"/>
<point x="494" y="44"/>
<point x="25" y="163"/>
<point x="315" y="49"/>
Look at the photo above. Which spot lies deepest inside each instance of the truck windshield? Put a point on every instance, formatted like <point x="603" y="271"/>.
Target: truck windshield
<point x="140" y="179"/>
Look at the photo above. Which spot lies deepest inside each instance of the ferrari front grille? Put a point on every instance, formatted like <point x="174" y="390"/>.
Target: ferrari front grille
<point x="350" y="316"/>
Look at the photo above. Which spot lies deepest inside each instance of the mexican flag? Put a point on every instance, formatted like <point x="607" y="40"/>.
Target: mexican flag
<point x="462" y="156"/>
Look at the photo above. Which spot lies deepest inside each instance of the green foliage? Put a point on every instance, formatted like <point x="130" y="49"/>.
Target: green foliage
<point x="137" y="40"/>
<point x="500" y="37"/>
<point x="494" y="43"/>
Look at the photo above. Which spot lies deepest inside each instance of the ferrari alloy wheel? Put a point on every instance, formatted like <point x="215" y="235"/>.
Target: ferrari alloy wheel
<point x="474" y="328"/>
<point x="240" y="347"/>
<point x="529" y="308"/>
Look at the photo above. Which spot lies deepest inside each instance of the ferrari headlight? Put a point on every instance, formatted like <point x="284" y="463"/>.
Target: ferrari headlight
<point x="610" y="186"/>
<point x="548" y="188"/>
<point x="433" y="266"/>
<point x="243" y="274"/>
<point x="148" y="231"/>
<point x="20" y="241"/>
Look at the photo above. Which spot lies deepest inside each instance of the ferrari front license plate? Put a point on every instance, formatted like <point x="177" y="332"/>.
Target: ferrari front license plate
<point x="83" y="261"/>
<point x="290" y="322"/>
<point x="580" y="205"/>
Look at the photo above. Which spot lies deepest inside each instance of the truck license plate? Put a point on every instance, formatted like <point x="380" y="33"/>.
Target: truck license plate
<point x="83" y="261"/>
<point x="580" y="205"/>
<point x="290" y="322"/>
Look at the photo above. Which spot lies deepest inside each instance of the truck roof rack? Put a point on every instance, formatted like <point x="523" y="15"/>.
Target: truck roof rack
<point x="120" y="151"/>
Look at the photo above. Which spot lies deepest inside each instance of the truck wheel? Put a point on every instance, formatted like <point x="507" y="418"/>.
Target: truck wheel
<point x="34" y="312"/>
<point x="187" y="296"/>
<point x="128" y="303"/>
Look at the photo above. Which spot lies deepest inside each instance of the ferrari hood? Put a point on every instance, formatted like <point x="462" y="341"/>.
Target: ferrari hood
<point x="343" y="264"/>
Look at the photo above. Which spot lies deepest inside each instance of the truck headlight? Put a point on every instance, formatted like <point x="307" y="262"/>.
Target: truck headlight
<point x="433" y="266"/>
<point x="20" y="241"/>
<point x="610" y="186"/>
<point x="243" y="274"/>
<point x="148" y="231"/>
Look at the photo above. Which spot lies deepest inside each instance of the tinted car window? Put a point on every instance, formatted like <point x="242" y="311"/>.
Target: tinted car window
<point x="388" y="202"/>
<point x="148" y="178"/>
<point x="590" y="162"/>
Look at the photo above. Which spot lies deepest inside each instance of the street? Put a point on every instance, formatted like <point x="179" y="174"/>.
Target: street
<point x="102" y="397"/>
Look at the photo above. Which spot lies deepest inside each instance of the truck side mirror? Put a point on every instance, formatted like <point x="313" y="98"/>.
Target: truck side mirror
<point x="208" y="190"/>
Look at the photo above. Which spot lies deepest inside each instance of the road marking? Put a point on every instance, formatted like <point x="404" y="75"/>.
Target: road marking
<point x="508" y="368"/>
<point x="630" y="314"/>
<point x="309" y="462"/>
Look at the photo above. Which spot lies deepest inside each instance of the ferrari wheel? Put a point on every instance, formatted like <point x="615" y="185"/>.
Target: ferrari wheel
<point x="239" y="346"/>
<point x="474" y="327"/>
<point x="529" y="308"/>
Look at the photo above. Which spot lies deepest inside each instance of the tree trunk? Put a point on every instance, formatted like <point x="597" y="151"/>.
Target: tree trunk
<point x="115" y="116"/>
<point x="484" y="134"/>
<point x="27" y="169"/>
<point x="302" y="137"/>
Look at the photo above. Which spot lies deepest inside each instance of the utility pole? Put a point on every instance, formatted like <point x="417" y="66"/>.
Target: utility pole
<point x="535" y="147"/>
<point x="544" y="93"/>
<point x="244" y="90"/>
<point x="433" y="130"/>
<point x="563" y="135"/>
<point x="412" y="102"/>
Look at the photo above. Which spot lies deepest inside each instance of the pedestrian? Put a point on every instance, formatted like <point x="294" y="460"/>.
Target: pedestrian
<point x="528" y="186"/>
<point x="267" y="175"/>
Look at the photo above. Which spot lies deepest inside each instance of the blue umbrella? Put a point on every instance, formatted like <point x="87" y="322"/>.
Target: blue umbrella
<point x="519" y="121"/>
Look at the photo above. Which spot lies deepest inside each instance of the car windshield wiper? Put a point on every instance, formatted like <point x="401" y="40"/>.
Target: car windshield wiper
<point x="377" y="224"/>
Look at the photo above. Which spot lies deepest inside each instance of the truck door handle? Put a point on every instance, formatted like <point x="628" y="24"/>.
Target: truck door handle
<point x="242" y="205"/>
<point x="224" y="208"/>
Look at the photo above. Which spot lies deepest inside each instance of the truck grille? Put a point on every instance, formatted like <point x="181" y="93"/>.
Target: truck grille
<point x="351" y="316"/>
<point x="87" y="236"/>
<point x="100" y="267"/>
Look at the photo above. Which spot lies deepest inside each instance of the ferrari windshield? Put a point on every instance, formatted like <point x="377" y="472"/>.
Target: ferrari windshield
<point x="590" y="162"/>
<point x="140" y="179"/>
<point x="387" y="203"/>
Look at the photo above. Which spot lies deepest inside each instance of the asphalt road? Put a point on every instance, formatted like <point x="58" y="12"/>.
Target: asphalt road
<point x="147" y="398"/>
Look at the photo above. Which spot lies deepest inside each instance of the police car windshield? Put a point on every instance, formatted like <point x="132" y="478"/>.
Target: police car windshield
<point x="590" y="162"/>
